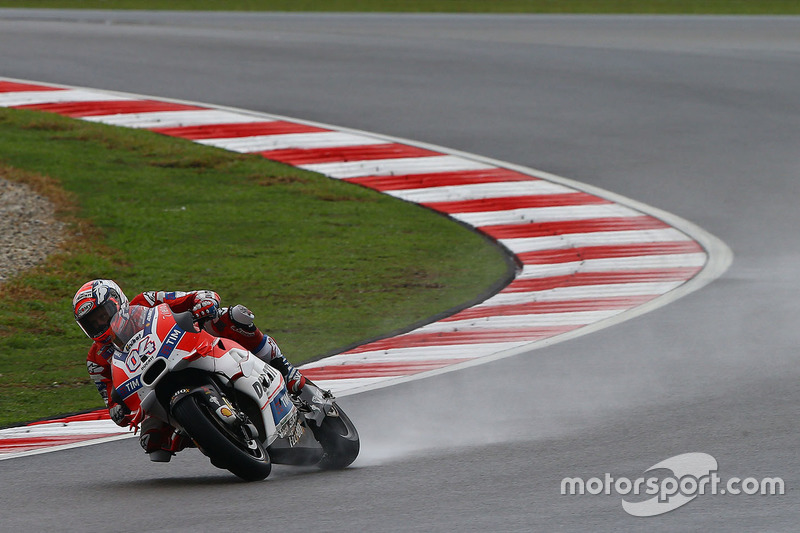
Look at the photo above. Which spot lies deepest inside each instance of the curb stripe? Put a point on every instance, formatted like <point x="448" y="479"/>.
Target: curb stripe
<point x="360" y="153"/>
<point x="289" y="142"/>
<point x="604" y="252"/>
<point x="452" y="338"/>
<point x="440" y="179"/>
<point x="582" y="279"/>
<point x="484" y="193"/>
<point x="354" y="370"/>
<point x="390" y="166"/>
<point x="90" y="108"/>
<point x="11" y="86"/>
<point x="561" y="227"/>
<point x="170" y="119"/>
<point x="600" y="238"/>
<point x="236" y="130"/>
<point x="516" y="202"/>
<point x="28" y="98"/>
<point x="587" y="258"/>
<point x="538" y="308"/>
<point x="27" y="444"/>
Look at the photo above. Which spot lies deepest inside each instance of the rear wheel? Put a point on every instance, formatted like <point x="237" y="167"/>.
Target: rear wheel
<point x="339" y="440"/>
<point x="231" y="448"/>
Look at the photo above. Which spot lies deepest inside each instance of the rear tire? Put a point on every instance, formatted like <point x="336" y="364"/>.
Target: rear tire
<point x="339" y="440"/>
<point x="220" y="443"/>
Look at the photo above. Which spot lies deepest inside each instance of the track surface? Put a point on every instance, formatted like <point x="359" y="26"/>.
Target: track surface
<point x="695" y="116"/>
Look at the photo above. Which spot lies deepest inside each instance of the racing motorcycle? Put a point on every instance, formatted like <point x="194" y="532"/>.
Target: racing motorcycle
<point x="234" y="407"/>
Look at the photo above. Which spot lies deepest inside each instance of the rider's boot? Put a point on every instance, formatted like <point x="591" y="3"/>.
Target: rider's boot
<point x="161" y="441"/>
<point x="237" y="323"/>
<point x="153" y="433"/>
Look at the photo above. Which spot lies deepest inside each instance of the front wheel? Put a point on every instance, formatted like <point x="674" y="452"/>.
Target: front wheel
<point x="339" y="440"/>
<point x="227" y="447"/>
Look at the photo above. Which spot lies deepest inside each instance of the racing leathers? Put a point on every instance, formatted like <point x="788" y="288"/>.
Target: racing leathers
<point x="234" y="323"/>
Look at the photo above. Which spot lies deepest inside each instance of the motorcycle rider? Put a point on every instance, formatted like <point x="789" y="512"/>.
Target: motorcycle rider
<point x="98" y="302"/>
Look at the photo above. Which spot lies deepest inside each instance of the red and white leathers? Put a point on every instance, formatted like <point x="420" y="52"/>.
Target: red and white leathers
<point x="234" y="323"/>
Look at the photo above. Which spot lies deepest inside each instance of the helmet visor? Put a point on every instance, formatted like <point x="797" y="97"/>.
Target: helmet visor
<point x="98" y="320"/>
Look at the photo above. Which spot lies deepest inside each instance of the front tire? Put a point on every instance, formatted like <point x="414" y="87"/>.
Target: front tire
<point x="226" y="447"/>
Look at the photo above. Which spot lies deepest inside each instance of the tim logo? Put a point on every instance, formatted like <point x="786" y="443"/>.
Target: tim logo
<point x="171" y="341"/>
<point x="129" y="387"/>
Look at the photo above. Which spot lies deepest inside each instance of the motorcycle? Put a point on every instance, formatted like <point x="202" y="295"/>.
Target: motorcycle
<point x="234" y="407"/>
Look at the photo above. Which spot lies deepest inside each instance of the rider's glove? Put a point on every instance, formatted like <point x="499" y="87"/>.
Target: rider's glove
<point x="120" y="414"/>
<point x="206" y="305"/>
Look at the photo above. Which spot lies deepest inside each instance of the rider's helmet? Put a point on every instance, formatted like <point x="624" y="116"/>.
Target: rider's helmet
<point x="95" y="305"/>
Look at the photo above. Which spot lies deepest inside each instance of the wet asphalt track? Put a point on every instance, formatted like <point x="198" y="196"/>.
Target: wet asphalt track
<point x="696" y="116"/>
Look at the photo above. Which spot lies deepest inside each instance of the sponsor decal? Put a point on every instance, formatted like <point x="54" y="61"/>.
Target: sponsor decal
<point x="94" y="368"/>
<point x="296" y="431"/>
<point x="85" y="308"/>
<point x="107" y="351"/>
<point x="263" y="383"/>
<point x="281" y="406"/>
<point x="178" y="393"/>
<point x="171" y="341"/>
<point x="136" y="338"/>
<point x="129" y="387"/>
<point x="83" y="295"/>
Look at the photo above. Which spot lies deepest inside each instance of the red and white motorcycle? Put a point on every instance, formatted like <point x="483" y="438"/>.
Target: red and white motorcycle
<point x="233" y="406"/>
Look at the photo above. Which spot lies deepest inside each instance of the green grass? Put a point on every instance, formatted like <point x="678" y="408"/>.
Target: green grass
<point x="738" y="7"/>
<point x="322" y="263"/>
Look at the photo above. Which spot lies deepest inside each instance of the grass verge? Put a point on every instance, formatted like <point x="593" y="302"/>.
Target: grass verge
<point x="323" y="264"/>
